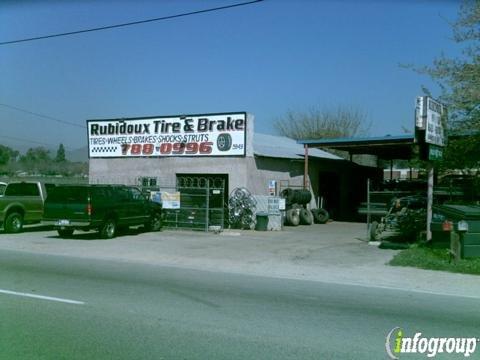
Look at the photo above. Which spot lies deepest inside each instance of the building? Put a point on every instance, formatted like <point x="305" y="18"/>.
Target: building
<point x="163" y="151"/>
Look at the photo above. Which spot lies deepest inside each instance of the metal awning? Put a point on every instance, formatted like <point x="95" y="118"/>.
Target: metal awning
<point x="385" y="147"/>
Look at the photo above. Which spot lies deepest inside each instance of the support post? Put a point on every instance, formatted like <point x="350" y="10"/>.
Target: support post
<point x="368" y="209"/>
<point x="305" y="174"/>
<point x="207" y="217"/>
<point x="429" y="201"/>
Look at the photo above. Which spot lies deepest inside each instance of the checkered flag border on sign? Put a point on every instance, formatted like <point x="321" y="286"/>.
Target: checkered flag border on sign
<point x="104" y="149"/>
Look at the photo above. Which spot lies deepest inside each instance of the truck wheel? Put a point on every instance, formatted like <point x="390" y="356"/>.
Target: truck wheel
<point x="14" y="223"/>
<point x="155" y="223"/>
<point x="108" y="229"/>
<point x="63" y="233"/>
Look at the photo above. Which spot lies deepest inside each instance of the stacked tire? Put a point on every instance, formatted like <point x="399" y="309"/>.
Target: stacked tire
<point x="299" y="216"/>
<point x="292" y="217"/>
<point x="320" y="216"/>
<point x="306" y="217"/>
<point x="300" y="197"/>
<point x="297" y="213"/>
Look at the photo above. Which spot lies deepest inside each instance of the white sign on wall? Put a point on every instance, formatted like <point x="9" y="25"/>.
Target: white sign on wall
<point x="170" y="200"/>
<point x="190" y="135"/>
<point x="272" y="187"/>
<point x="429" y="115"/>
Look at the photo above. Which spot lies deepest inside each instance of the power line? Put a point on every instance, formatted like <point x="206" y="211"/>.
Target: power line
<point x="42" y="116"/>
<point x="130" y="23"/>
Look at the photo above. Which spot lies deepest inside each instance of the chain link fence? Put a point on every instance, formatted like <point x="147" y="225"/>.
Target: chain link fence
<point x="198" y="201"/>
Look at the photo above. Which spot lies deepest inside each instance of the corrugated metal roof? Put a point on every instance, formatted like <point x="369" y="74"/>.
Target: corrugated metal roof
<point x="334" y="141"/>
<point x="283" y="147"/>
<point x="384" y="147"/>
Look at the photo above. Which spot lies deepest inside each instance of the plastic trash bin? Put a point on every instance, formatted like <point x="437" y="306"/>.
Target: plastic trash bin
<point x="440" y="233"/>
<point x="262" y="221"/>
<point x="466" y="225"/>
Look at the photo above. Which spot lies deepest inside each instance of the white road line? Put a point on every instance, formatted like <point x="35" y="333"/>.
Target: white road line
<point x="42" y="297"/>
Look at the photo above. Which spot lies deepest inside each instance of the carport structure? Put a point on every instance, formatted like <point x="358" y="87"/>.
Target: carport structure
<point x="399" y="147"/>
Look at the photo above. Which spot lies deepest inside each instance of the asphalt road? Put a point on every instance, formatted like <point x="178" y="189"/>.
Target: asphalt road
<point x="133" y="311"/>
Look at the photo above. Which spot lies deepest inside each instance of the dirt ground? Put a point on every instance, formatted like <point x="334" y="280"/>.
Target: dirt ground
<point x="334" y="252"/>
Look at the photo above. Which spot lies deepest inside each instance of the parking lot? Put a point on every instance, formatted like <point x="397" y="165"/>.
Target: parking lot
<point x="334" y="252"/>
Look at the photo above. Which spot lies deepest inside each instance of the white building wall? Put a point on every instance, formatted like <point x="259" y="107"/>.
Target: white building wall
<point x="286" y="173"/>
<point x="263" y="169"/>
<point x="130" y="170"/>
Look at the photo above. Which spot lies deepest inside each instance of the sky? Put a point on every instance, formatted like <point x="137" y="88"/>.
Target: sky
<point x="265" y="58"/>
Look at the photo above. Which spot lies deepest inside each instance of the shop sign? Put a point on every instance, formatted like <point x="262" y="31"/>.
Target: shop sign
<point x="170" y="200"/>
<point x="435" y="152"/>
<point x="189" y="135"/>
<point x="273" y="205"/>
<point x="429" y="116"/>
<point x="272" y="187"/>
<point x="419" y="113"/>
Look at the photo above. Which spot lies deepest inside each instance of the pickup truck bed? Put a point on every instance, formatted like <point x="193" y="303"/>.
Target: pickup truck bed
<point x="22" y="203"/>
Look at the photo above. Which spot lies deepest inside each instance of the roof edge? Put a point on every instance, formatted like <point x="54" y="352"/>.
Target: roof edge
<point x="345" y="140"/>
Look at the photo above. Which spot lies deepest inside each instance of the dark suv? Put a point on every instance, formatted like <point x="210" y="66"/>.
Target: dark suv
<point x="99" y="207"/>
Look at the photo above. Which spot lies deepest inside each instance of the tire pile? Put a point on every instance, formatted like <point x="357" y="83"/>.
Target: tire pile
<point x="242" y="207"/>
<point x="297" y="213"/>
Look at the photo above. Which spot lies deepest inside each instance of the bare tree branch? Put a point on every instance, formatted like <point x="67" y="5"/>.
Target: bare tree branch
<point x="319" y="123"/>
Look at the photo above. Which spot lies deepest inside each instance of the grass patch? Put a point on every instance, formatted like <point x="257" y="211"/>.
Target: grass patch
<point x="435" y="259"/>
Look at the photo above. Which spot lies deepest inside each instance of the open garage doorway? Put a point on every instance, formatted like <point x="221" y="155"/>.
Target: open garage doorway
<point x="329" y="192"/>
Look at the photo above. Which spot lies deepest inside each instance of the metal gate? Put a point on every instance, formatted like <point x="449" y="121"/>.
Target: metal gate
<point x="202" y="204"/>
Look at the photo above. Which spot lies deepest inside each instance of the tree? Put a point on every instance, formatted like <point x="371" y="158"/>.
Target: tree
<point x="36" y="160"/>
<point x="60" y="154"/>
<point x="7" y="154"/>
<point x="319" y="123"/>
<point x="36" y="155"/>
<point x="459" y="80"/>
